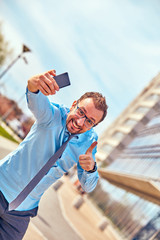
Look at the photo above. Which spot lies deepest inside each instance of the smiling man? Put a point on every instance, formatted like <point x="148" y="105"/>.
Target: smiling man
<point x="77" y="121"/>
<point x="53" y="126"/>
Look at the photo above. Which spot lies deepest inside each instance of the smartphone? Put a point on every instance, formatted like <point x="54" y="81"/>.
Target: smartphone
<point x="62" y="80"/>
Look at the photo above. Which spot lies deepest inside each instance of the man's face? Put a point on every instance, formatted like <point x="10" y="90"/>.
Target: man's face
<point x="77" y="124"/>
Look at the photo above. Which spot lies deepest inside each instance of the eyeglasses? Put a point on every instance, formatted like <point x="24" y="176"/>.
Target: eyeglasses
<point x="80" y="113"/>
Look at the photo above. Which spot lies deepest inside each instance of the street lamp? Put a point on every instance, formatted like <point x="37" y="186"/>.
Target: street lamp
<point x="24" y="50"/>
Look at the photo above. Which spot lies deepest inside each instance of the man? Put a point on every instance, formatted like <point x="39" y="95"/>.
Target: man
<point x="54" y="124"/>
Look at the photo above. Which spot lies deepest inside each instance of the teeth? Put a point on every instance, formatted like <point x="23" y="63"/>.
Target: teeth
<point x="74" y="124"/>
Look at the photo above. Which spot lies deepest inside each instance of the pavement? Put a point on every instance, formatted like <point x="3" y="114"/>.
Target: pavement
<point x="33" y="233"/>
<point x="50" y="219"/>
<point x="86" y="219"/>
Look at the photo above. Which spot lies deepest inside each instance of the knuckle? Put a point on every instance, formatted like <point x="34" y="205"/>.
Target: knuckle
<point x="46" y="74"/>
<point x="50" y="83"/>
<point x="41" y="76"/>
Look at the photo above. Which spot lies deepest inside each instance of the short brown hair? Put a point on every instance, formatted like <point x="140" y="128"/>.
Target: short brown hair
<point x="99" y="102"/>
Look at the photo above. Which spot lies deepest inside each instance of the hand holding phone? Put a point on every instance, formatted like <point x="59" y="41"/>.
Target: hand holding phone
<point x="62" y="80"/>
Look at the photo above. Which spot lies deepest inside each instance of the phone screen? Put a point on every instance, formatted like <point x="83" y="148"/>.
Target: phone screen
<point x="62" y="80"/>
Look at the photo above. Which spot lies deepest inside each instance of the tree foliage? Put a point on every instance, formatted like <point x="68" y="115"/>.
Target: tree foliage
<point x="5" y="50"/>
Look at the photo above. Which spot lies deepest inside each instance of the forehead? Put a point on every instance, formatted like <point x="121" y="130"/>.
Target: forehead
<point x="86" y="103"/>
<point x="90" y="110"/>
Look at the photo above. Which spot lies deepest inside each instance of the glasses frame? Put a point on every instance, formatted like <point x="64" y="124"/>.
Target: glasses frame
<point x="86" y="118"/>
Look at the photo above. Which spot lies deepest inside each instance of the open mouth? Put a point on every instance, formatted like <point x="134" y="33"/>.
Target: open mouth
<point x="75" y="126"/>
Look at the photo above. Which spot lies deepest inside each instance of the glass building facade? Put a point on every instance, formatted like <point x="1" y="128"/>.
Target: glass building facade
<point x="133" y="214"/>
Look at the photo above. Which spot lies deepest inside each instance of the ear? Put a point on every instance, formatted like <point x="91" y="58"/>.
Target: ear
<point x="73" y="105"/>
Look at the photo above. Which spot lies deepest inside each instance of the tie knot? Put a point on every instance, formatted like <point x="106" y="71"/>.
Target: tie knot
<point x="71" y="136"/>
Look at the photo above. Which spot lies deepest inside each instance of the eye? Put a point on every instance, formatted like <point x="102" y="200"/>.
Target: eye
<point x="89" y="122"/>
<point x="81" y="113"/>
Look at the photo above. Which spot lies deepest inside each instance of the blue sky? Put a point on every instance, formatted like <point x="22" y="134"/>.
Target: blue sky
<point x="108" y="46"/>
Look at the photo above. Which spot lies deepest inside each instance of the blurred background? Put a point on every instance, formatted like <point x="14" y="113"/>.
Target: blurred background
<point x="108" y="46"/>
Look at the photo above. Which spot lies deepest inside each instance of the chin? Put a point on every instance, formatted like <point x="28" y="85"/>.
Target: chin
<point x="72" y="131"/>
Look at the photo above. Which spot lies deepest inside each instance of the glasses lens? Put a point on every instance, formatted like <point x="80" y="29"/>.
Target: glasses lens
<point x="89" y="123"/>
<point x="80" y="112"/>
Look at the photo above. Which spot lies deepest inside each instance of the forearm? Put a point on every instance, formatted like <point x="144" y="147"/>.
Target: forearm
<point x="40" y="106"/>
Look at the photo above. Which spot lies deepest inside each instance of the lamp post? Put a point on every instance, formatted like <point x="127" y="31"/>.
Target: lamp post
<point x="24" y="50"/>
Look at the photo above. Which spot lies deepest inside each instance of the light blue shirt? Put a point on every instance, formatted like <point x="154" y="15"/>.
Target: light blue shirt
<point x="45" y="137"/>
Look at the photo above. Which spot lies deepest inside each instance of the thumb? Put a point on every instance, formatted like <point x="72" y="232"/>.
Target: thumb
<point x="90" y="149"/>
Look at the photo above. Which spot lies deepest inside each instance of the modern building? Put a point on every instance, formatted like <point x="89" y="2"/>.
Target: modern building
<point x="128" y="192"/>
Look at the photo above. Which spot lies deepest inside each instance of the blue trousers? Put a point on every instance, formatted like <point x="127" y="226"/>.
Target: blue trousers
<point x="13" y="224"/>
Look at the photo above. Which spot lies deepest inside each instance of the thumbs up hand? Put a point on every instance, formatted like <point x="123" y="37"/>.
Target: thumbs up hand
<point x="85" y="160"/>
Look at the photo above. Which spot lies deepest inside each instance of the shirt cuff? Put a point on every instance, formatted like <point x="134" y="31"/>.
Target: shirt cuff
<point x="27" y="90"/>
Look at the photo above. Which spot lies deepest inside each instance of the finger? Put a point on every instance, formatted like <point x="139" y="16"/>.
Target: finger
<point x="43" y="91"/>
<point x="51" y="82"/>
<point x="52" y="72"/>
<point x="44" y="85"/>
<point x="90" y="149"/>
<point x="84" y="157"/>
<point x="82" y="163"/>
<point x="55" y="84"/>
<point x="85" y="161"/>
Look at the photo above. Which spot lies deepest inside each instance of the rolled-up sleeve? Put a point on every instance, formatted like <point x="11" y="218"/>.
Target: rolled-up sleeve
<point x="40" y="106"/>
<point x="88" y="180"/>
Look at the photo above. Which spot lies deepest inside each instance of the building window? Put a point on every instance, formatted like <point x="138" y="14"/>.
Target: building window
<point x="158" y="86"/>
<point x="142" y="110"/>
<point x="153" y="97"/>
<point x="106" y="148"/>
<point x="130" y="122"/>
<point x="118" y="135"/>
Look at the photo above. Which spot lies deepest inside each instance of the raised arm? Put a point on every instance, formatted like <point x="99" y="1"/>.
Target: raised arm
<point x="43" y="82"/>
<point x="40" y="86"/>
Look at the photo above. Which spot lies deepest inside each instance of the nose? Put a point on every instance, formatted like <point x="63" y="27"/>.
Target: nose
<point x="80" y="121"/>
